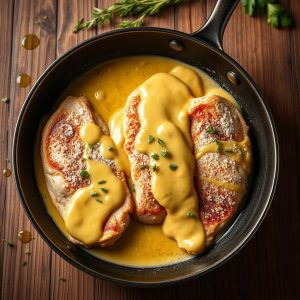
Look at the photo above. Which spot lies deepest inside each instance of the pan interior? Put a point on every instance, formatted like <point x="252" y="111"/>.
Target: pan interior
<point x="46" y="91"/>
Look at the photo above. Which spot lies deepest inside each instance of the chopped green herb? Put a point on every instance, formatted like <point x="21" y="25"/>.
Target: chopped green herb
<point x="161" y="142"/>
<point x="90" y="145"/>
<point x="131" y="187"/>
<point x="5" y="99"/>
<point x="219" y="146"/>
<point x="84" y="174"/>
<point x="98" y="200"/>
<point x="153" y="167"/>
<point x="151" y="139"/>
<point x="94" y="194"/>
<point x="155" y="156"/>
<point x="8" y="243"/>
<point x="173" y="166"/>
<point x="24" y="263"/>
<point x="191" y="214"/>
<point x="164" y="152"/>
<point x="101" y="181"/>
<point x="110" y="148"/>
<point x="211" y="129"/>
<point x="142" y="167"/>
<point x="104" y="190"/>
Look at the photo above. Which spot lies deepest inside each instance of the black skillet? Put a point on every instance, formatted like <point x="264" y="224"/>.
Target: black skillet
<point x="202" y="49"/>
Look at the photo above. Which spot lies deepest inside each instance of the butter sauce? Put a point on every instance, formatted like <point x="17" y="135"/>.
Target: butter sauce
<point x="107" y="87"/>
<point x="163" y="114"/>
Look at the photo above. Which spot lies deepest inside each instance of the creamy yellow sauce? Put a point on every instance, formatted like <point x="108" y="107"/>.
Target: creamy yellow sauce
<point x="164" y="117"/>
<point x="107" y="87"/>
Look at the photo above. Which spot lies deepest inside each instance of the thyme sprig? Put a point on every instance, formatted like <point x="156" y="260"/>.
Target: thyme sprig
<point x="125" y="8"/>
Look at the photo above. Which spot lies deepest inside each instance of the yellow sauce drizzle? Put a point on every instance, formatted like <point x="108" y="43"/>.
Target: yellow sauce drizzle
<point x="90" y="207"/>
<point x="190" y="78"/>
<point x="90" y="133"/>
<point x="226" y="185"/>
<point x="238" y="151"/>
<point x="163" y="114"/>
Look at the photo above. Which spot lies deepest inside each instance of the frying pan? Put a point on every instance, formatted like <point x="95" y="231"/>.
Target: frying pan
<point x="202" y="49"/>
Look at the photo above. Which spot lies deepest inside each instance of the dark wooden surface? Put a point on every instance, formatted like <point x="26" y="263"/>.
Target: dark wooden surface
<point x="268" y="267"/>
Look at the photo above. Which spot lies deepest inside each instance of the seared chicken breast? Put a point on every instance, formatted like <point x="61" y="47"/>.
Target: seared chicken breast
<point x="62" y="152"/>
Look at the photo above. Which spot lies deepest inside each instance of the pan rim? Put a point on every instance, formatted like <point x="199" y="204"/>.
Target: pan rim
<point x="234" y="250"/>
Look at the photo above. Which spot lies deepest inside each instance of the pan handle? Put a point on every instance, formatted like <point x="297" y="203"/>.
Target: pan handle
<point x="212" y="31"/>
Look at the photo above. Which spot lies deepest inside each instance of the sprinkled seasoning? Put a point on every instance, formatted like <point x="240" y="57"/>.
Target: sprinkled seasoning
<point x="24" y="263"/>
<point x="173" y="166"/>
<point x="110" y="148"/>
<point x="101" y="181"/>
<point x="7" y="172"/>
<point x="151" y="139"/>
<point x="98" y="200"/>
<point x="84" y="174"/>
<point x="142" y="167"/>
<point x="155" y="156"/>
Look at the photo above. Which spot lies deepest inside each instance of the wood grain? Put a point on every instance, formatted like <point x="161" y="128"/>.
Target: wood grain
<point x="268" y="267"/>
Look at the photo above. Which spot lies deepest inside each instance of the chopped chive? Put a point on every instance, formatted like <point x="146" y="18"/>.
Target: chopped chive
<point x="190" y="214"/>
<point x="211" y="129"/>
<point x="90" y="145"/>
<point x="230" y="151"/>
<point x="94" y="194"/>
<point x="5" y="99"/>
<point x="164" y="152"/>
<point x="98" y="200"/>
<point x="131" y="187"/>
<point x="104" y="190"/>
<point x="151" y="139"/>
<point x="153" y="167"/>
<point x="110" y="148"/>
<point x="8" y="243"/>
<point x="84" y="174"/>
<point x="155" y="156"/>
<point x="101" y="181"/>
<point x="24" y="263"/>
<point x="173" y="166"/>
<point x="142" y="167"/>
<point x="161" y="142"/>
<point x="219" y="146"/>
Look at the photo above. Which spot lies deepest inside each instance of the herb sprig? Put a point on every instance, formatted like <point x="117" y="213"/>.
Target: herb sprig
<point x="277" y="15"/>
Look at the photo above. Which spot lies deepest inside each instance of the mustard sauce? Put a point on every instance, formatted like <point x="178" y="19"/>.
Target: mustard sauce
<point x="107" y="87"/>
<point x="163" y="115"/>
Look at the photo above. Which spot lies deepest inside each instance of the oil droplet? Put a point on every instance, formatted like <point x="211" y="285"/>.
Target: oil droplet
<point x="23" y="80"/>
<point x="25" y="236"/>
<point x="7" y="172"/>
<point x="30" y="41"/>
<point x="99" y="95"/>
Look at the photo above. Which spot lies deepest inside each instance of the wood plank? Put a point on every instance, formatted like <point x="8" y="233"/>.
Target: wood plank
<point x="6" y="21"/>
<point x="78" y="285"/>
<point x="31" y="281"/>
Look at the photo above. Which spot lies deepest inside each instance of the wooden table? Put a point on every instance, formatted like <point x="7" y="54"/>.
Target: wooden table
<point x="268" y="267"/>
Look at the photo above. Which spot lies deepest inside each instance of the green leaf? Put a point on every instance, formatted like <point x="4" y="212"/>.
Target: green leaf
<point x="249" y="6"/>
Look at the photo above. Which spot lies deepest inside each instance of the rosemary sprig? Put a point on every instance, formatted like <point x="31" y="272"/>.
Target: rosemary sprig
<point x="125" y="8"/>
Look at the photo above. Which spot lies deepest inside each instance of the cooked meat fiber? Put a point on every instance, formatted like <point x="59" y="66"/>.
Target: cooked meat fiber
<point x="62" y="152"/>
<point x="217" y="203"/>
<point x="146" y="208"/>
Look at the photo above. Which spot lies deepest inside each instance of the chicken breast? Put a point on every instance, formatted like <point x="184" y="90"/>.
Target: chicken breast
<point x="62" y="152"/>
<point x="146" y="208"/>
<point x="221" y="176"/>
